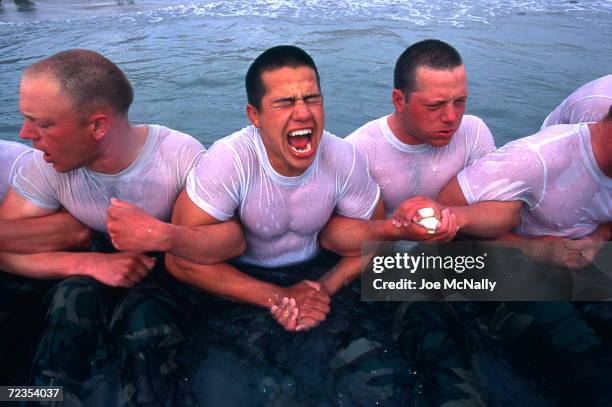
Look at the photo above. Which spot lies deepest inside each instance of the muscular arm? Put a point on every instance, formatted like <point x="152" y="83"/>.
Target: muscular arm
<point x="58" y="231"/>
<point x="25" y="228"/>
<point x="209" y="242"/>
<point x="114" y="269"/>
<point x="345" y="236"/>
<point x="222" y="279"/>
<point x="117" y="269"/>
<point x="488" y="219"/>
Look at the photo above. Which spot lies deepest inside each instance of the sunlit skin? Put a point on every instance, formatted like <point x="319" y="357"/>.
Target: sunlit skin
<point x="292" y="102"/>
<point x="50" y="125"/>
<point x="432" y="113"/>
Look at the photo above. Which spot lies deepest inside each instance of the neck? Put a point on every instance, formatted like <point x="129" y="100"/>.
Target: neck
<point x="400" y="133"/>
<point x="601" y="140"/>
<point x="120" y="148"/>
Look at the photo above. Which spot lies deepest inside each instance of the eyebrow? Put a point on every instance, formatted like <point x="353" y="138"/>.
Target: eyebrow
<point x="440" y="101"/>
<point x="293" y="98"/>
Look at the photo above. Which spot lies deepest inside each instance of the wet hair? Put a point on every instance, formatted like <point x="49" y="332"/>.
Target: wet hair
<point x="88" y="80"/>
<point x="274" y="58"/>
<point x="434" y="54"/>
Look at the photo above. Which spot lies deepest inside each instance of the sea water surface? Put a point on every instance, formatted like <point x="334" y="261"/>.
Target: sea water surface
<point x="187" y="59"/>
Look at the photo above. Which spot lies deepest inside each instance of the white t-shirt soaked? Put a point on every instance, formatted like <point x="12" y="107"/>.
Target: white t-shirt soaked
<point x="588" y="103"/>
<point x="281" y="216"/>
<point x="153" y="181"/>
<point x="555" y="173"/>
<point x="404" y="171"/>
<point x="12" y="155"/>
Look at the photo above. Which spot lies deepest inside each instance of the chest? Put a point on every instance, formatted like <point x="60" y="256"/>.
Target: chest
<point x="269" y="210"/>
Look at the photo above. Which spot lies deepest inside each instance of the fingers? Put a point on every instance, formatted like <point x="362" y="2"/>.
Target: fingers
<point x="313" y="314"/>
<point x="404" y="215"/>
<point x="116" y="202"/>
<point x="136" y="268"/>
<point x="286" y="313"/>
<point x="447" y="229"/>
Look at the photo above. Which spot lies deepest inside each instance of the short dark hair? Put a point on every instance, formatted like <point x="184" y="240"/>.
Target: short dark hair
<point x="274" y="58"/>
<point x="88" y="79"/>
<point x="430" y="53"/>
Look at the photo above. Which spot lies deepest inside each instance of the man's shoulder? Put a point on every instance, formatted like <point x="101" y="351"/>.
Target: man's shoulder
<point x="338" y="153"/>
<point x="243" y="140"/>
<point x="167" y="135"/>
<point x="366" y="132"/>
<point x="12" y="148"/>
<point x="235" y="150"/>
<point x="334" y="144"/>
<point x="470" y="125"/>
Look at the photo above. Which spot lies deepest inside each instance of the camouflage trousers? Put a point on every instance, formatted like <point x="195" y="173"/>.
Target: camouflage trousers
<point x="467" y="354"/>
<point x="88" y="325"/>
<point x="141" y="327"/>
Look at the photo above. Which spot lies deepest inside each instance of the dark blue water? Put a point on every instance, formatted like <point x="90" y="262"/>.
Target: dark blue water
<point x="187" y="59"/>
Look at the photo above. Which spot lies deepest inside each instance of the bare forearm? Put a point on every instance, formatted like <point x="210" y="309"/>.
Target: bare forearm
<point x="488" y="219"/>
<point x="49" y="265"/>
<point x="224" y="280"/>
<point x="346" y="236"/>
<point x="59" y="231"/>
<point x="344" y="272"/>
<point x="208" y="244"/>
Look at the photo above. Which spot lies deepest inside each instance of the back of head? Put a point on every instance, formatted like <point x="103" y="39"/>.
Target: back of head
<point x="88" y="79"/>
<point x="274" y="58"/>
<point x="434" y="54"/>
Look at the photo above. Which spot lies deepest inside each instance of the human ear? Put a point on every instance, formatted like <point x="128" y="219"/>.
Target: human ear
<point x="253" y="115"/>
<point x="399" y="99"/>
<point x="100" y="124"/>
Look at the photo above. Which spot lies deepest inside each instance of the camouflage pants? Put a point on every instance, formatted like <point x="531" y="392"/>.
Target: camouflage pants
<point x="551" y="342"/>
<point x="557" y="337"/>
<point x="89" y="324"/>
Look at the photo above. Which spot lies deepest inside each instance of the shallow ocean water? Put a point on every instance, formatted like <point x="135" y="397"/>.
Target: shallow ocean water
<point x="187" y="59"/>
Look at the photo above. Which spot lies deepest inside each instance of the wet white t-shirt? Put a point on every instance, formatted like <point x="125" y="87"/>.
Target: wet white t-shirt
<point x="152" y="182"/>
<point x="281" y="216"/>
<point x="403" y="171"/>
<point x="12" y="155"/>
<point x="589" y="103"/>
<point x="555" y="173"/>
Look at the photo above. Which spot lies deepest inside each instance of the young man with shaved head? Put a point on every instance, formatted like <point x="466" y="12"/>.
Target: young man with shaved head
<point x="101" y="168"/>
<point x="283" y="177"/>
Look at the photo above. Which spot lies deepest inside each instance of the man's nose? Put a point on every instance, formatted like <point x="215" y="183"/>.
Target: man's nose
<point x="301" y="110"/>
<point x="450" y="114"/>
<point x="27" y="131"/>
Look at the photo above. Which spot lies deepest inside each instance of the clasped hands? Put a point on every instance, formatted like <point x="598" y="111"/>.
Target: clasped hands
<point x="407" y="219"/>
<point x="302" y="306"/>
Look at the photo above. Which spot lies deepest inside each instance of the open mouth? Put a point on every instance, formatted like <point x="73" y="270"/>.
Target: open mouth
<point x="300" y="142"/>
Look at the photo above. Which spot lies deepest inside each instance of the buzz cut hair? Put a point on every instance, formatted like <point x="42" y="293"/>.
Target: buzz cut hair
<point x="274" y="58"/>
<point x="89" y="80"/>
<point x="431" y="53"/>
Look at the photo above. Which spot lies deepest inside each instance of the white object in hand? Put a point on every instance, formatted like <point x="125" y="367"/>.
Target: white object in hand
<point x="426" y="212"/>
<point x="428" y="221"/>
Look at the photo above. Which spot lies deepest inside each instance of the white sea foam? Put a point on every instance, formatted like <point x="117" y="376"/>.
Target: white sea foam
<point x="419" y="12"/>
